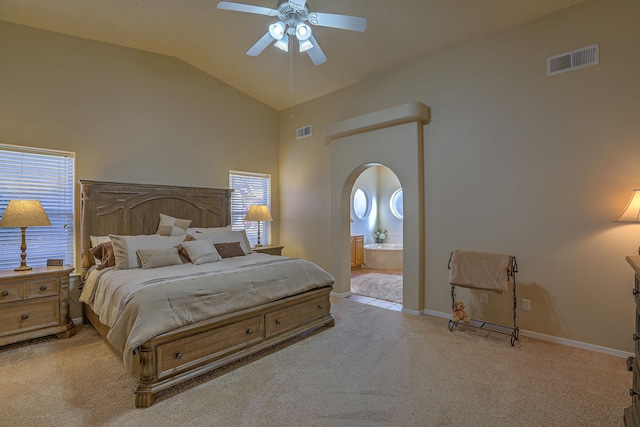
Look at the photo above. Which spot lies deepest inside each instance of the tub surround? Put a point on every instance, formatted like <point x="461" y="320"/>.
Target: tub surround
<point x="383" y="256"/>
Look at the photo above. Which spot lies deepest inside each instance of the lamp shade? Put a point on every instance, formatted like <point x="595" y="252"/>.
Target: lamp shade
<point x="258" y="213"/>
<point x="632" y="212"/>
<point x="24" y="213"/>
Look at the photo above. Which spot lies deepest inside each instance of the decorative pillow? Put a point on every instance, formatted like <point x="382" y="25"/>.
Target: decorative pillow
<point x="170" y="226"/>
<point x="184" y="255"/>
<point x="125" y="247"/>
<point x="208" y="229"/>
<point x="201" y="251"/>
<point x="229" y="249"/>
<point x="226" y="236"/>
<point x="103" y="253"/>
<point x="153" y="258"/>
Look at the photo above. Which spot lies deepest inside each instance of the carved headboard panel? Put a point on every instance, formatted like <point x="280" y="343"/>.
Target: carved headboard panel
<point x="132" y="209"/>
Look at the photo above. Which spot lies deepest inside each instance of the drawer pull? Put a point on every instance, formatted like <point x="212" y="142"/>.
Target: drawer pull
<point x="43" y="288"/>
<point x="320" y="307"/>
<point x="24" y="316"/>
<point x="635" y="291"/>
<point x="249" y="331"/>
<point x="632" y="392"/>
<point x="178" y="355"/>
<point x="278" y="321"/>
<point x="5" y="293"/>
<point x="636" y="337"/>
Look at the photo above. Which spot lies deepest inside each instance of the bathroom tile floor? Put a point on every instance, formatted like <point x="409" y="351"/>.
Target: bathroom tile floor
<point x="373" y="301"/>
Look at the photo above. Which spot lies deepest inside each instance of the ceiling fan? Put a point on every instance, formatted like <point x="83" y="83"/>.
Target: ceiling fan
<point x="293" y="16"/>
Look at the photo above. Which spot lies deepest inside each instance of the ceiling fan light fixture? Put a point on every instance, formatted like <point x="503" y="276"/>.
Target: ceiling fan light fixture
<point x="277" y="30"/>
<point x="283" y="43"/>
<point x="303" y="31"/>
<point x="305" y="45"/>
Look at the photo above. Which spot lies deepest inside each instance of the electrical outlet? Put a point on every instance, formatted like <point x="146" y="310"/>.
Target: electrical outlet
<point x="526" y="304"/>
<point x="484" y="298"/>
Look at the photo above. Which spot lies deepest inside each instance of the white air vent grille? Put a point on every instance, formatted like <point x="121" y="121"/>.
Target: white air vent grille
<point x="573" y="60"/>
<point x="303" y="132"/>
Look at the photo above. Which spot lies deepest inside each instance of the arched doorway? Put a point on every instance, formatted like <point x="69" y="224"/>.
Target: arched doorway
<point x="376" y="237"/>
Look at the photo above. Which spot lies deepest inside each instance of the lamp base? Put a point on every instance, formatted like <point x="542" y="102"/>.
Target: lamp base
<point x="258" y="245"/>
<point x="24" y="267"/>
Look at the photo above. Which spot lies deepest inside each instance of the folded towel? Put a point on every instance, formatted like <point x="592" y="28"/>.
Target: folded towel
<point x="480" y="270"/>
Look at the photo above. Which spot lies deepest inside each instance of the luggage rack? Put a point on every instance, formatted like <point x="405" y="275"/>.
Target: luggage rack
<point x="513" y="332"/>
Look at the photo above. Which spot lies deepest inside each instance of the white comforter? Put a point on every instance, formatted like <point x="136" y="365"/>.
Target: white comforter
<point x="139" y="304"/>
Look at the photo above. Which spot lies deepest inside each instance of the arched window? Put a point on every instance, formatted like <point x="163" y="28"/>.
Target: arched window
<point x="396" y="203"/>
<point x="361" y="203"/>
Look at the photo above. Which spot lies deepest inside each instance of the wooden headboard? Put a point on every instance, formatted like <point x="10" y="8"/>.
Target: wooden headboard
<point x="133" y="209"/>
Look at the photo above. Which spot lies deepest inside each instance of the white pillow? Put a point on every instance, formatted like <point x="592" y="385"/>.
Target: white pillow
<point x="206" y="230"/>
<point x="201" y="251"/>
<point x="170" y="226"/>
<point x="226" y="236"/>
<point x="153" y="258"/>
<point x="125" y="247"/>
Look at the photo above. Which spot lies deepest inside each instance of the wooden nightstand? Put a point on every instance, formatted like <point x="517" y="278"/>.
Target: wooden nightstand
<point x="269" y="249"/>
<point x="35" y="303"/>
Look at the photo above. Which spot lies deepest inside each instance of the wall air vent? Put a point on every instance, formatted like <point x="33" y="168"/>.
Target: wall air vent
<point x="303" y="132"/>
<point x="573" y="60"/>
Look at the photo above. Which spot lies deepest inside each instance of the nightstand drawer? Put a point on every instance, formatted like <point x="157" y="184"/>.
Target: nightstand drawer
<point x="43" y="288"/>
<point x="30" y="315"/>
<point x="11" y="292"/>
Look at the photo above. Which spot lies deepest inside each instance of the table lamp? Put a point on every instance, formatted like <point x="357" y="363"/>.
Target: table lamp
<point x="258" y="213"/>
<point x="632" y="212"/>
<point x="23" y="214"/>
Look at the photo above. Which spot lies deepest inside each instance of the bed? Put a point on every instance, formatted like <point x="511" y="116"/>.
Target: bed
<point x="284" y="297"/>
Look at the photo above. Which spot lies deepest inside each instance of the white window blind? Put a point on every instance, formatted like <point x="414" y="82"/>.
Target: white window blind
<point x="250" y="189"/>
<point x="42" y="175"/>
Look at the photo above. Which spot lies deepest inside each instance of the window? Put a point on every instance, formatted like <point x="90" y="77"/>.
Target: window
<point x="396" y="203"/>
<point x="361" y="203"/>
<point x="47" y="176"/>
<point x="250" y="189"/>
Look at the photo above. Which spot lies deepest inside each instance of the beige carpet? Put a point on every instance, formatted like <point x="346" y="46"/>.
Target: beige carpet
<point x="381" y="286"/>
<point x="376" y="367"/>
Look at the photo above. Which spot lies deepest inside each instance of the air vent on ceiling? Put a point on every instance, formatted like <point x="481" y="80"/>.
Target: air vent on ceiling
<point x="573" y="60"/>
<point x="303" y="132"/>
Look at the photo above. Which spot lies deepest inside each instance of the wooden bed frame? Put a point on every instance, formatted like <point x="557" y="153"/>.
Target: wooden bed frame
<point x="187" y="352"/>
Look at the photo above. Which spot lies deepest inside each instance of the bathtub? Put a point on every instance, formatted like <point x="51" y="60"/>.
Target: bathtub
<point x="383" y="256"/>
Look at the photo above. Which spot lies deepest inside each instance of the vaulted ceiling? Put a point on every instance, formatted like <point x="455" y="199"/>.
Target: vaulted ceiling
<point x="215" y="41"/>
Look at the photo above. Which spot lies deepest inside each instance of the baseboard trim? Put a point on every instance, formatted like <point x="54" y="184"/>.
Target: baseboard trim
<point x="551" y="338"/>
<point x="412" y="312"/>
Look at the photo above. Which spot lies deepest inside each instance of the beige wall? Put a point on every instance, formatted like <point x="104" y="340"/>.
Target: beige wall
<point x="131" y="116"/>
<point x="515" y="162"/>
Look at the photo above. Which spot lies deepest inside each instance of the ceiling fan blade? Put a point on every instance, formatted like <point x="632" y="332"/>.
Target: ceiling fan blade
<point x="344" y="22"/>
<point x="315" y="53"/>
<point x="260" y="45"/>
<point x="239" y="7"/>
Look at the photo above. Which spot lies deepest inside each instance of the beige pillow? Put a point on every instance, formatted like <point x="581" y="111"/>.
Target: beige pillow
<point x="201" y="251"/>
<point x="153" y="258"/>
<point x="226" y="236"/>
<point x="125" y="247"/>
<point x="170" y="226"/>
